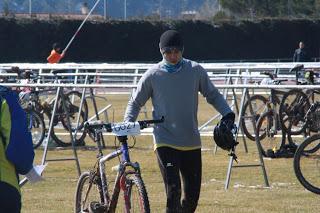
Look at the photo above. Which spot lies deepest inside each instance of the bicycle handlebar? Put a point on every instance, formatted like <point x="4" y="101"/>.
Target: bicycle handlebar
<point x="270" y="75"/>
<point x="145" y="123"/>
<point x="108" y="127"/>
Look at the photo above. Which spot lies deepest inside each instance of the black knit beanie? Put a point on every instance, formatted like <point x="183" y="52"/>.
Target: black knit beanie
<point x="171" y="38"/>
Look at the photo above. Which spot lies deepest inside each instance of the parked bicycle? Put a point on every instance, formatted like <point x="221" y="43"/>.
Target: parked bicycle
<point x="35" y="119"/>
<point x="309" y="123"/>
<point x="296" y="103"/>
<point x="31" y="99"/>
<point x="262" y="106"/>
<point x="92" y="193"/>
<point x="306" y="163"/>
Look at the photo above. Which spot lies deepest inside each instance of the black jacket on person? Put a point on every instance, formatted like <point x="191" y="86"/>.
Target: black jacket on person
<point x="300" y="55"/>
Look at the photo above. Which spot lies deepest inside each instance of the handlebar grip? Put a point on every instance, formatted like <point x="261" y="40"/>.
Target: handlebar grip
<point x="93" y="123"/>
<point x="161" y="120"/>
<point x="153" y="121"/>
<point x="145" y="123"/>
<point x="97" y="125"/>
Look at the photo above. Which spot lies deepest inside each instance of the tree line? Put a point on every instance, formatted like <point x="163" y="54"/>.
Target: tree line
<point x="30" y="40"/>
<point x="173" y="9"/>
<point x="271" y="8"/>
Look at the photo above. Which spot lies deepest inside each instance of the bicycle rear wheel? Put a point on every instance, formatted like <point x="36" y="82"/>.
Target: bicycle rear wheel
<point x="62" y="137"/>
<point x="293" y="108"/>
<point x="73" y="101"/>
<point x="36" y="126"/>
<point x="258" y="103"/>
<point x="267" y="133"/>
<point x="134" y="195"/>
<point x="306" y="164"/>
<point x="88" y="193"/>
<point x="60" y="134"/>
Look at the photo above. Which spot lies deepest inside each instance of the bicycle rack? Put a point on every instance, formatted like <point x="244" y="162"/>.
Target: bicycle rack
<point x="239" y="123"/>
<point x="46" y="141"/>
<point x="96" y="108"/>
<point x="257" y="140"/>
<point x="88" y="80"/>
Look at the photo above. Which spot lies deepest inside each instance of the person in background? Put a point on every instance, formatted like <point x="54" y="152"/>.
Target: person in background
<point x="16" y="151"/>
<point x="84" y="8"/>
<point x="300" y="54"/>
<point x="173" y="85"/>
<point x="55" y="55"/>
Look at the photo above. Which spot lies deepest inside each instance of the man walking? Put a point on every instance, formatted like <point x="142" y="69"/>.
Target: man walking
<point x="173" y="85"/>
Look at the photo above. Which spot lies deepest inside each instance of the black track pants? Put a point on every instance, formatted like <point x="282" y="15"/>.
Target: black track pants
<point x="10" y="199"/>
<point x="174" y="163"/>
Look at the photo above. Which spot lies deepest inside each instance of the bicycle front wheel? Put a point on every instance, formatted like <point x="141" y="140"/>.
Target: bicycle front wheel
<point x="267" y="133"/>
<point x="306" y="163"/>
<point x="88" y="193"/>
<point x="134" y="195"/>
<point x="259" y="106"/>
<point x="36" y="126"/>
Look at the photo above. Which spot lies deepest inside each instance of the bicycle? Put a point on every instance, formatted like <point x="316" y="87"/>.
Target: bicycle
<point x="72" y="100"/>
<point x="28" y="99"/>
<point x="306" y="163"/>
<point x="128" y="176"/>
<point x="292" y="120"/>
<point x="35" y="120"/>
<point x="296" y="103"/>
<point x="309" y="122"/>
<point x="31" y="98"/>
<point x="262" y="106"/>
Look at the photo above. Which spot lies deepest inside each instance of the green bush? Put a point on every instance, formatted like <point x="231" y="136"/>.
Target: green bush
<point x="30" y="40"/>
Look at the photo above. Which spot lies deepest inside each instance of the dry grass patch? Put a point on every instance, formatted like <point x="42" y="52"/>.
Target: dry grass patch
<point x="247" y="192"/>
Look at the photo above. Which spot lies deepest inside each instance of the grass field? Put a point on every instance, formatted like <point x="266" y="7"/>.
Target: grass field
<point x="246" y="193"/>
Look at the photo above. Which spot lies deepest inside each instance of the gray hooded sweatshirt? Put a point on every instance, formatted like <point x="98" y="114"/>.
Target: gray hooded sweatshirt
<point x="175" y="96"/>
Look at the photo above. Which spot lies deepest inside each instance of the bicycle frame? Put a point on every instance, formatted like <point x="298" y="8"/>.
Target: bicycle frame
<point x="119" y="181"/>
<point x="271" y="106"/>
<point x="111" y="203"/>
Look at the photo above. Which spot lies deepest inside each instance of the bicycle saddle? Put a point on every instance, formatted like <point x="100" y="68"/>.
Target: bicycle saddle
<point x="298" y="67"/>
<point x="58" y="71"/>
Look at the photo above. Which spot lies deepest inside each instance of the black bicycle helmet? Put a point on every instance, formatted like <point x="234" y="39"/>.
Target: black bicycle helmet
<point x="223" y="135"/>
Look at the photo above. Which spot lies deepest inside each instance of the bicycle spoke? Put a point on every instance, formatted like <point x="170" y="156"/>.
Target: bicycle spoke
<point x="134" y="197"/>
<point x="88" y="193"/>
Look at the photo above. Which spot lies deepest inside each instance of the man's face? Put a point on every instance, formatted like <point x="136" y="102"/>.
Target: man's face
<point x="172" y="55"/>
<point x="301" y="45"/>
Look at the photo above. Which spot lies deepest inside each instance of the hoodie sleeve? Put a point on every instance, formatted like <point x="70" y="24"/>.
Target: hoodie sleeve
<point x="20" y="148"/>
<point x="212" y="94"/>
<point x="139" y="98"/>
